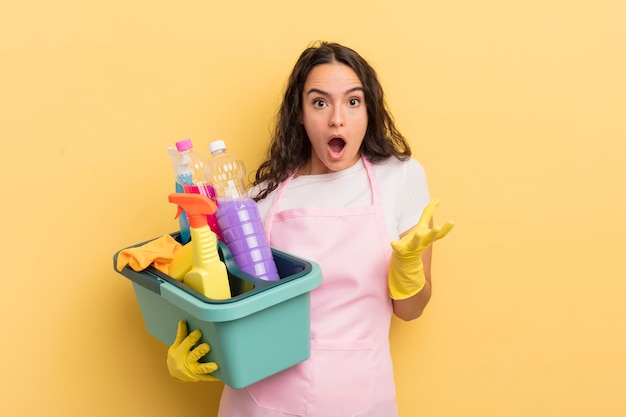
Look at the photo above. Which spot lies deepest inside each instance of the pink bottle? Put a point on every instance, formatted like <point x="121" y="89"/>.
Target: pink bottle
<point x="190" y="176"/>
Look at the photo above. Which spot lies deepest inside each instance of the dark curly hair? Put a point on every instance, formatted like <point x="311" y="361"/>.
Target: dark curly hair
<point x="290" y="146"/>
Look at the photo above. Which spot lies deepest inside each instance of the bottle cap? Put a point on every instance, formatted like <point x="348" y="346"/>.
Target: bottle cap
<point x="184" y="145"/>
<point x="217" y="145"/>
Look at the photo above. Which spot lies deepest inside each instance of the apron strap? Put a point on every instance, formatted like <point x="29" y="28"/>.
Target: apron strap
<point x="269" y="218"/>
<point x="280" y="190"/>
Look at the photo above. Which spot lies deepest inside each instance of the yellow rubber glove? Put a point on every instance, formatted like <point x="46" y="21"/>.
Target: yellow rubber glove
<point x="406" y="270"/>
<point x="182" y="361"/>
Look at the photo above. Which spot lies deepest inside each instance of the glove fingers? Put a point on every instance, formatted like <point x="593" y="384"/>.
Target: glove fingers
<point x="411" y="242"/>
<point x="445" y="229"/>
<point x="198" y="352"/>
<point x="205" y="368"/>
<point x="191" y="340"/>
<point x="421" y="236"/>
<point x="206" y="378"/>
<point x="430" y="237"/>
<point x="396" y="245"/>
<point x="201" y="370"/>
<point x="437" y="233"/>
<point x="181" y="333"/>
<point x="427" y="214"/>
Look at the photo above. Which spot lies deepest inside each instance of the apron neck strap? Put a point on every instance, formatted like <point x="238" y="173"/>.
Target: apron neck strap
<point x="269" y="218"/>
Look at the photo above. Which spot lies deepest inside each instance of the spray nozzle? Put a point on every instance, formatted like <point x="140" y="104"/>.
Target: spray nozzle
<point x="197" y="206"/>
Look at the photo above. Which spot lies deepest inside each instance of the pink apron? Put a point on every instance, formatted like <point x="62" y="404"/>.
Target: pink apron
<point x="349" y="372"/>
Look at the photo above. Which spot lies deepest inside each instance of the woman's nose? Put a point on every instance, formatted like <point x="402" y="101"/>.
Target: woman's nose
<point x="336" y="117"/>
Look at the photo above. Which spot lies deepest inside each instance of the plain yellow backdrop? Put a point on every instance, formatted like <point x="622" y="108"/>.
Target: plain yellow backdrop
<point x="516" y="109"/>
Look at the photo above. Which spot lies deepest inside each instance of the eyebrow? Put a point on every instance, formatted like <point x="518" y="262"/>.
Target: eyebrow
<point x="324" y="93"/>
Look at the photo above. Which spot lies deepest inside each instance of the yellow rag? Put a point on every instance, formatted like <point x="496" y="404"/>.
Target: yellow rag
<point x="158" y="253"/>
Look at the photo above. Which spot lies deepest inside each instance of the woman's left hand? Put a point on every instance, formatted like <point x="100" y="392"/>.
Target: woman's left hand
<point x="406" y="271"/>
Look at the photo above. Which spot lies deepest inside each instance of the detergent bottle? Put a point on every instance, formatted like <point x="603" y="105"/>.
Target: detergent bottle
<point x="189" y="168"/>
<point x="208" y="274"/>
<point x="238" y="215"/>
<point x="183" y="224"/>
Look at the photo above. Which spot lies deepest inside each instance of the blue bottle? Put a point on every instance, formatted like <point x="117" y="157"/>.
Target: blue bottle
<point x="238" y="215"/>
<point x="183" y="224"/>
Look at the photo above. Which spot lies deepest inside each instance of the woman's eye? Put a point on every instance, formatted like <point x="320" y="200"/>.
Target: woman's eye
<point x="319" y="103"/>
<point x="354" y="102"/>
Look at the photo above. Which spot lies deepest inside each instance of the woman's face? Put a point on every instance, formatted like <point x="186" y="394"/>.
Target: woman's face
<point x="334" y="116"/>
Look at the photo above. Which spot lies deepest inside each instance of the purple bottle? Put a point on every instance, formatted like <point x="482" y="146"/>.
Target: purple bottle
<point x="238" y="215"/>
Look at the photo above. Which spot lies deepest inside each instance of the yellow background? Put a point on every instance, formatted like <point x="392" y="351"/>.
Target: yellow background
<point x="516" y="109"/>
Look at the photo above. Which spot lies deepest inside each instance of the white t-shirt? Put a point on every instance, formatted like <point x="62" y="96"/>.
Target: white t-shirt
<point x="402" y="184"/>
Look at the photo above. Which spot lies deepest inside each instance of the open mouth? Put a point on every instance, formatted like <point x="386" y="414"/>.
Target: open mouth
<point x="336" y="145"/>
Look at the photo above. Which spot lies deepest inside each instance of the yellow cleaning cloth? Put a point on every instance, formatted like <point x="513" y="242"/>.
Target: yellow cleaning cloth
<point x="158" y="253"/>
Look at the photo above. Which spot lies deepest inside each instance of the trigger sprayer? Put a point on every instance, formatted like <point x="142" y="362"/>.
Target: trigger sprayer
<point x="208" y="274"/>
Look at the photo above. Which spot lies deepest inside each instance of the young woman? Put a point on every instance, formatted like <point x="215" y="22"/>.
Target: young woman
<point x="338" y="187"/>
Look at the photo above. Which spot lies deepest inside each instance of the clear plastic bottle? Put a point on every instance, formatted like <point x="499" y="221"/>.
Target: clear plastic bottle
<point x="190" y="175"/>
<point x="238" y="215"/>
<point x="183" y="224"/>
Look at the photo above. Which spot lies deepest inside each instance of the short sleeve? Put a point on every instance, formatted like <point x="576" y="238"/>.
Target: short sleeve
<point x="413" y="195"/>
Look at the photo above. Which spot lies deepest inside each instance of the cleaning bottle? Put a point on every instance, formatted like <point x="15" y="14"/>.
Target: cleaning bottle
<point x="208" y="274"/>
<point x="182" y="261"/>
<point x="238" y="215"/>
<point x="183" y="224"/>
<point x="190" y="175"/>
